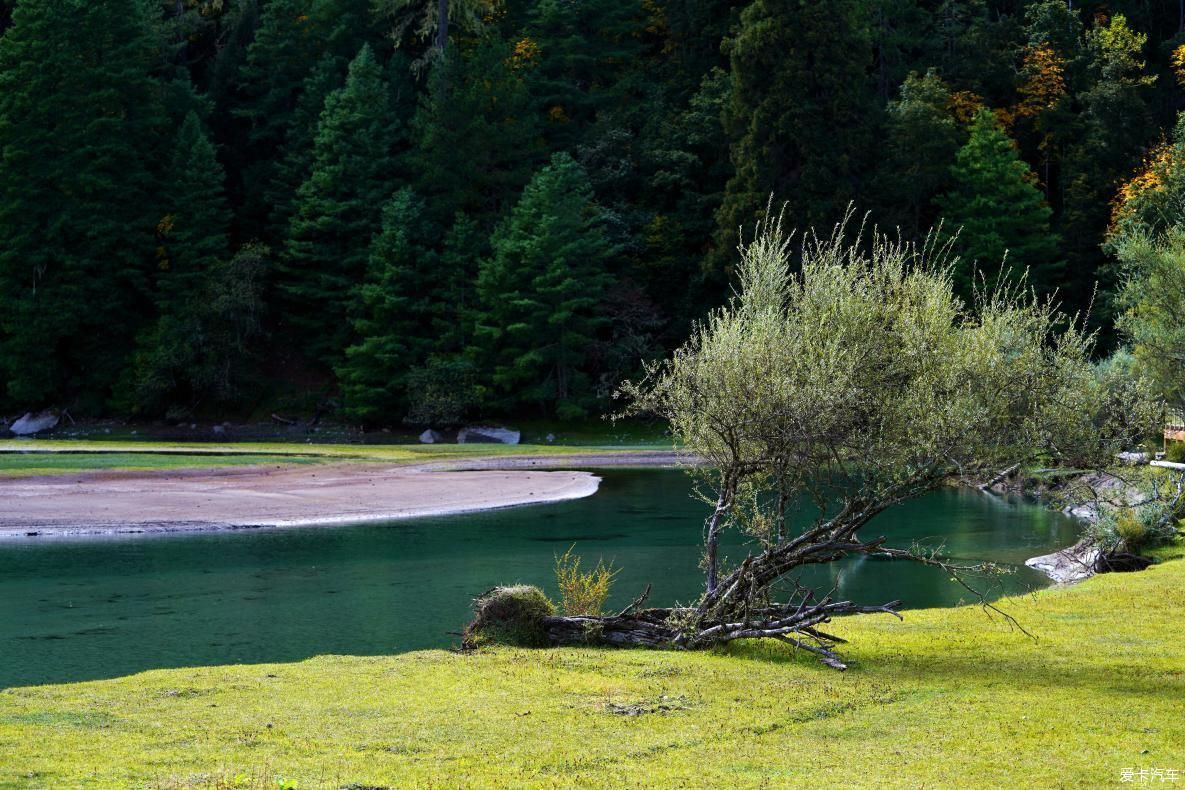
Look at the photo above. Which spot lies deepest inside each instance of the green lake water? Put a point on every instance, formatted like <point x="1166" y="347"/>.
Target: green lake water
<point x="78" y="609"/>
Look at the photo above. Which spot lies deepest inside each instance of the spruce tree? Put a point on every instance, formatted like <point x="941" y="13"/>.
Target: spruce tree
<point x="586" y="53"/>
<point x="81" y="124"/>
<point x="999" y="209"/>
<point x="391" y="314"/>
<point x="338" y="208"/>
<point x="540" y="290"/>
<point x="464" y="247"/>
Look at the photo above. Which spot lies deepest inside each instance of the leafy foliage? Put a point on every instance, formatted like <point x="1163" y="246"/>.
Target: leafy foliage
<point x="863" y="381"/>
<point x="1151" y="298"/>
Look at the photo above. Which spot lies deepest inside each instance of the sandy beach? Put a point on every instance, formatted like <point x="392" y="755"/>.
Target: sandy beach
<point x="99" y="503"/>
<point x="267" y="497"/>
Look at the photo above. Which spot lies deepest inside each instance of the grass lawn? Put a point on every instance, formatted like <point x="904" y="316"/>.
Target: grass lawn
<point x="947" y="698"/>
<point x="23" y="458"/>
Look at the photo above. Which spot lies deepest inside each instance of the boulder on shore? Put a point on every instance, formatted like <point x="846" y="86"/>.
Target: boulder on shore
<point x="485" y="434"/>
<point x="431" y="437"/>
<point x="1068" y="565"/>
<point x="34" y="423"/>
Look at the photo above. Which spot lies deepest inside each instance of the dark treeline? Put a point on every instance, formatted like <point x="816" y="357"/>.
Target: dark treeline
<point x="217" y="206"/>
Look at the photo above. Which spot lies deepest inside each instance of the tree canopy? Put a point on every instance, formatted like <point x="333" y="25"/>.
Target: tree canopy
<point x="1039" y="128"/>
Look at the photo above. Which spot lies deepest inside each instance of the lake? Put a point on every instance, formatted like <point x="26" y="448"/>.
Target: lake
<point x="78" y="609"/>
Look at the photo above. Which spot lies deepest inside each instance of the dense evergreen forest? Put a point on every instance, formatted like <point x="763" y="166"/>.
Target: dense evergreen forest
<point x="221" y="206"/>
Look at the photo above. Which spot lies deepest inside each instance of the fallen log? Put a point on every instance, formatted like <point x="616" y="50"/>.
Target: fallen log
<point x="999" y="476"/>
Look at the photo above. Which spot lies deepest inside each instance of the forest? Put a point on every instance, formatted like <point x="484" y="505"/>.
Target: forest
<point x="418" y="211"/>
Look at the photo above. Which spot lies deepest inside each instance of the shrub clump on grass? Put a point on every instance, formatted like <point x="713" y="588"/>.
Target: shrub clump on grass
<point x="510" y="616"/>
<point x="583" y="592"/>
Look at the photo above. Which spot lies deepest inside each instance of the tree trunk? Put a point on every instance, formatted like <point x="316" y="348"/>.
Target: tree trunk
<point x="441" y="24"/>
<point x="715" y="524"/>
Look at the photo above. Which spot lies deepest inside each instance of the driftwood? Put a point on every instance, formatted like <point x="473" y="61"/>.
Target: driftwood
<point x="999" y="477"/>
<point x="796" y="623"/>
<point x="739" y="605"/>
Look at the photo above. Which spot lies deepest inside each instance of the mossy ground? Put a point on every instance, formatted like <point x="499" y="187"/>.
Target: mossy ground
<point x="949" y="698"/>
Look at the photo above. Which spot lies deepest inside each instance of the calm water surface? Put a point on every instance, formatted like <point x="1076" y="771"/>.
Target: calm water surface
<point x="94" y="608"/>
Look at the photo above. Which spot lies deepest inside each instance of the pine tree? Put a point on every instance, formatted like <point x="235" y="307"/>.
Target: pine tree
<point x="585" y="51"/>
<point x="476" y="140"/>
<point x="172" y="360"/>
<point x="922" y="139"/>
<point x="430" y="20"/>
<point x="293" y="40"/>
<point x="1113" y="133"/>
<point x="999" y="210"/>
<point x="193" y="234"/>
<point x="797" y="114"/>
<point x="540" y="290"/>
<point x="338" y="207"/>
<point x="81" y="123"/>
<point x="392" y="314"/>
<point x="464" y="247"/>
<point x="295" y="160"/>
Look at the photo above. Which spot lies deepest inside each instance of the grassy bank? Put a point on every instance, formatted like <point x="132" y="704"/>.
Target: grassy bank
<point x="22" y="458"/>
<point x="947" y="698"/>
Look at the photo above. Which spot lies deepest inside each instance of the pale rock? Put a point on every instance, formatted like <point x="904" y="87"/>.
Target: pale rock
<point x="485" y="434"/>
<point x="34" y="423"/>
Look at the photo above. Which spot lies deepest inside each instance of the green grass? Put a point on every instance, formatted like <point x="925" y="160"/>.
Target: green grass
<point x="949" y="698"/>
<point x="36" y="464"/>
<point x="22" y="458"/>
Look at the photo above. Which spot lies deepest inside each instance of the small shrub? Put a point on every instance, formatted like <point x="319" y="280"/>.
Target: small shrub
<point x="1134" y="529"/>
<point x="580" y="592"/>
<point x="1175" y="452"/>
<point x="510" y="616"/>
<point x="1130" y="528"/>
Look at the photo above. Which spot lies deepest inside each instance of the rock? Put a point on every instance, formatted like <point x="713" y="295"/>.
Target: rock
<point x="219" y="430"/>
<point x="1068" y="565"/>
<point x="34" y="423"/>
<point x="1133" y="458"/>
<point x="431" y="437"/>
<point x="1086" y="512"/>
<point x="485" y="434"/>
<point x="550" y="438"/>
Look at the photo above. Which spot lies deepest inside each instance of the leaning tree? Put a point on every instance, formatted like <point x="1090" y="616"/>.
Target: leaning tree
<point x="823" y="394"/>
